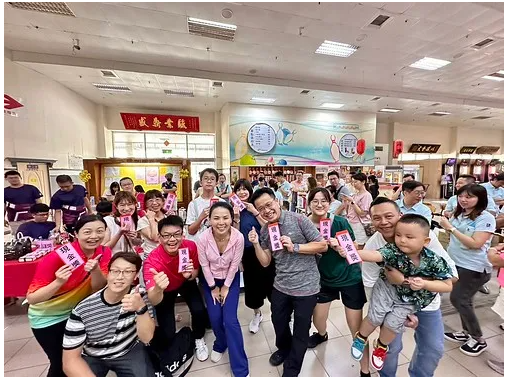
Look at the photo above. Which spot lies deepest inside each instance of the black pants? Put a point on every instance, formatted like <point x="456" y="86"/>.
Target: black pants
<point x="462" y="295"/>
<point x="293" y="346"/>
<point x="166" y="329"/>
<point x="258" y="280"/>
<point x="51" y="340"/>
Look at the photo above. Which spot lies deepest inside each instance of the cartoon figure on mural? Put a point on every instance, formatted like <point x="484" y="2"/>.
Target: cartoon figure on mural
<point x="334" y="150"/>
<point x="241" y="147"/>
<point x="284" y="136"/>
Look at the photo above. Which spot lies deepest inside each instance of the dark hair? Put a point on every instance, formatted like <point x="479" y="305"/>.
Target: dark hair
<point x="482" y="203"/>
<point x="113" y="186"/>
<point x="132" y="258"/>
<point x="139" y="188"/>
<point x="470" y="178"/>
<point x="83" y="220"/>
<point x="64" y="178"/>
<point x="221" y="175"/>
<point x="171" y="220"/>
<point x="125" y="178"/>
<point x="272" y="183"/>
<point x="152" y="194"/>
<point x="382" y="200"/>
<point x="259" y="192"/>
<point x="12" y="172"/>
<point x="245" y="183"/>
<point x="373" y="178"/>
<point x="225" y="205"/>
<point x="278" y="174"/>
<point x="333" y="172"/>
<point x="498" y="177"/>
<point x="312" y="183"/>
<point x="208" y="170"/>
<point x="169" y="173"/>
<point x="411" y="186"/>
<point x="39" y="207"/>
<point x="409" y="175"/>
<point x="331" y="189"/>
<point x="128" y="196"/>
<point x="322" y="190"/>
<point x="361" y="177"/>
<point x="414" y="218"/>
<point x="104" y="207"/>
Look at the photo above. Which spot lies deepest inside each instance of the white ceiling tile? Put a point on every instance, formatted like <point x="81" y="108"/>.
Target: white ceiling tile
<point x="397" y="7"/>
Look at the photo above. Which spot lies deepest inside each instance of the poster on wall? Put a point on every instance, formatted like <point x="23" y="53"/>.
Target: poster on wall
<point x="255" y="141"/>
<point x="152" y="175"/>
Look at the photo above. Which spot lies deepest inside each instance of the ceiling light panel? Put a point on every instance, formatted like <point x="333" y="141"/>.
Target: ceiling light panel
<point x="342" y="50"/>
<point x="331" y="105"/>
<point x="389" y="110"/>
<point x="112" y="88"/>
<point x="179" y="93"/>
<point x="262" y="100"/>
<point x="430" y="64"/>
<point x="497" y="76"/>
<point x="211" y="29"/>
<point x="55" y="8"/>
<point x="440" y="113"/>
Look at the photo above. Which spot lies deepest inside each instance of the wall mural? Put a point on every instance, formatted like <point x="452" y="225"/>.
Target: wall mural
<point x="255" y="141"/>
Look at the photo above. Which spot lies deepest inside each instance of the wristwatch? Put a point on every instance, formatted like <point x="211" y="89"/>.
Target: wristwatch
<point x="452" y="230"/>
<point x="296" y="248"/>
<point x="143" y="310"/>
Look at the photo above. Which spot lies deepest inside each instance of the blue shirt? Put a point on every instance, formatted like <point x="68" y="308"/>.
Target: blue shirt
<point x="418" y="208"/>
<point x="37" y="230"/>
<point x="73" y="198"/>
<point x="247" y="221"/>
<point x="287" y="187"/>
<point x="495" y="193"/>
<point x="452" y="203"/>
<point x="472" y="259"/>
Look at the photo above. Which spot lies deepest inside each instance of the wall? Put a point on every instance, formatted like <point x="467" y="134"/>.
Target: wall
<point x="54" y="121"/>
<point x="425" y="134"/>
<point x="480" y="137"/>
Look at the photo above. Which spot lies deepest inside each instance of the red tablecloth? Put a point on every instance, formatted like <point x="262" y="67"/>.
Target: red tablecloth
<point x="18" y="276"/>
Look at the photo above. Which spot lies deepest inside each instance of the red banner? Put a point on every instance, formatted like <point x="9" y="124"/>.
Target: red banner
<point x="157" y="122"/>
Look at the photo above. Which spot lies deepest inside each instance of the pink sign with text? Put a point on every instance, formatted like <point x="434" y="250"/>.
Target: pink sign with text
<point x="325" y="228"/>
<point x="346" y="242"/>
<point x="69" y="255"/>
<point x="169" y="202"/>
<point x="184" y="255"/>
<point x="127" y="222"/>
<point x="274" y="236"/>
<point x="44" y="245"/>
<point x="235" y="200"/>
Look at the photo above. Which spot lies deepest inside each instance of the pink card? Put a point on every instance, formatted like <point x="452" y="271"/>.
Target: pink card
<point x="274" y="236"/>
<point x="346" y="242"/>
<point x="325" y="228"/>
<point x="235" y="200"/>
<point x="127" y="222"/>
<point x="69" y="255"/>
<point x="184" y="258"/>
<point x="44" y="245"/>
<point x="213" y="201"/>
<point x="169" y="202"/>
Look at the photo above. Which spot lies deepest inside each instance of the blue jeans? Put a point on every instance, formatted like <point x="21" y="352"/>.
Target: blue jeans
<point x="429" y="349"/>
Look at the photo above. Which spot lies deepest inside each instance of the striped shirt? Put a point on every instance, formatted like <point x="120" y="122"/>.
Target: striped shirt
<point x="104" y="330"/>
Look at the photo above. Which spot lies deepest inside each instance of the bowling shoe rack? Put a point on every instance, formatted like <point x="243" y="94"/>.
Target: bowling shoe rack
<point x="269" y="171"/>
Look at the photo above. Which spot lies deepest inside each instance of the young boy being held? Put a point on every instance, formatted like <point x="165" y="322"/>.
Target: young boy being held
<point x="425" y="274"/>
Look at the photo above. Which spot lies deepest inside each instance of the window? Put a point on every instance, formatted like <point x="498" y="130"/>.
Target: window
<point x="201" y="146"/>
<point x="166" y="145"/>
<point x="128" y="144"/>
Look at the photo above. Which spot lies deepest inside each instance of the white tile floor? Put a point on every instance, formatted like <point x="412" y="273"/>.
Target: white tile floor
<point x="24" y="357"/>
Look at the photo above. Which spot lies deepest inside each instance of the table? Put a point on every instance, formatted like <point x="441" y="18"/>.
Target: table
<point x="18" y="276"/>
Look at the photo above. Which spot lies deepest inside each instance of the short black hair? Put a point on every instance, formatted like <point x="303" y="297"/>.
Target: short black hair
<point x="322" y="190"/>
<point x="411" y="186"/>
<point x="152" y="194"/>
<point x="333" y="172"/>
<point x="498" y="177"/>
<point x="245" y="183"/>
<point x="261" y="179"/>
<point x="221" y="174"/>
<point x="139" y="188"/>
<point x="331" y="189"/>
<point x="208" y="170"/>
<point x="278" y="174"/>
<point x="171" y="220"/>
<point x="258" y="193"/>
<point x="225" y="205"/>
<point x="414" y="218"/>
<point x="83" y="220"/>
<point x="104" y="207"/>
<point x="132" y="258"/>
<point x="381" y="200"/>
<point x="409" y="175"/>
<point x="39" y="208"/>
<point x="125" y="178"/>
<point x="12" y="172"/>
<point x="64" y="178"/>
<point x="469" y="177"/>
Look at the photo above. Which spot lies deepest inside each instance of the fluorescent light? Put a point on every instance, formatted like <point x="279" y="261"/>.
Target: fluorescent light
<point x="497" y="76"/>
<point x="440" y="113"/>
<point x="112" y="88"/>
<point x="389" y="110"/>
<point x="342" y="50"/>
<point x="211" y="23"/>
<point x="331" y="105"/>
<point x="430" y="64"/>
<point x="500" y="72"/>
<point x="262" y="100"/>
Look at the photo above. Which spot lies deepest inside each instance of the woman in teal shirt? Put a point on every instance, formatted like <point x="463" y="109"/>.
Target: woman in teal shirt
<point x="338" y="279"/>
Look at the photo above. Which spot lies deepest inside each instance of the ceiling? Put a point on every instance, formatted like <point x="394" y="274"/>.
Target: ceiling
<point x="273" y="55"/>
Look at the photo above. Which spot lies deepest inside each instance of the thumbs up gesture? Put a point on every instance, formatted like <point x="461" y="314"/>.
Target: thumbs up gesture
<point x="161" y="279"/>
<point x="253" y="237"/>
<point x="92" y="264"/>
<point x="133" y="302"/>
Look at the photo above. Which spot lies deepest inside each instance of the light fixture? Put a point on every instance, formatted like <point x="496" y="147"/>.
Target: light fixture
<point x="497" y="76"/>
<point x="179" y="93"/>
<point x="211" y="29"/>
<point x="342" y="50"/>
<point x="331" y="105"/>
<point x="440" y="113"/>
<point x="112" y="88"/>
<point x="430" y="64"/>
<point x="389" y="110"/>
<point x="262" y="100"/>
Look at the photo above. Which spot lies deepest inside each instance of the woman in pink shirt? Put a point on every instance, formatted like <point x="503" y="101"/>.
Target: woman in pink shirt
<point x="220" y="250"/>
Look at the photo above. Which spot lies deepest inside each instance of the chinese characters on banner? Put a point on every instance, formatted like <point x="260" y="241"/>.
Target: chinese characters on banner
<point x="274" y="237"/>
<point x="346" y="242"/>
<point x="69" y="256"/>
<point x="157" y="122"/>
<point x="184" y="259"/>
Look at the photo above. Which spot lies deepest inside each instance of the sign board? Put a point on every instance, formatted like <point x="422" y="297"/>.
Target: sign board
<point x="159" y="122"/>
<point x="467" y="150"/>
<point x="424" y="148"/>
<point x="487" y="150"/>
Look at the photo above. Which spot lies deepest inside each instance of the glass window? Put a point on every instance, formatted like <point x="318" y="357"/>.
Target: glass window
<point x="201" y="146"/>
<point x="166" y="145"/>
<point x="128" y="144"/>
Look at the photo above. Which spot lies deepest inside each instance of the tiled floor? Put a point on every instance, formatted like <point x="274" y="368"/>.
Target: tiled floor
<point x="24" y="357"/>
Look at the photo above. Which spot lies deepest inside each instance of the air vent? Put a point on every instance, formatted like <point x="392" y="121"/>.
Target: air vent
<point x="54" y="8"/>
<point x="112" y="88"/>
<point x="379" y="21"/>
<point x="179" y="93"/>
<point x="217" y="84"/>
<point x="481" y="117"/>
<point x="305" y="91"/>
<point x="483" y="44"/>
<point x="375" y="98"/>
<point x="439" y="113"/>
<point x="211" y="29"/>
<point x="109" y="74"/>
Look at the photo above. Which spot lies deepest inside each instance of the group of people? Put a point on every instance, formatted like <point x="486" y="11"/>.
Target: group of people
<point x="116" y="310"/>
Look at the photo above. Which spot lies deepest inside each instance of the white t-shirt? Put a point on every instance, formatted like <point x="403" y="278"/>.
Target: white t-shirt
<point x="195" y="208"/>
<point x="115" y="229"/>
<point x="371" y="271"/>
<point x="147" y="245"/>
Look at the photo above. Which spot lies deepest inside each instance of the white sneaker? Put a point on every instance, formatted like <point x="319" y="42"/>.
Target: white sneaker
<point x="201" y="350"/>
<point x="216" y="356"/>
<point x="255" y="323"/>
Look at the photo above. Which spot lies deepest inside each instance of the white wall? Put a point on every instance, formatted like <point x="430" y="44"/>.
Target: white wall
<point x="425" y="134"/>
<point x="54" y="121"/>
<point x="476" y="137"/>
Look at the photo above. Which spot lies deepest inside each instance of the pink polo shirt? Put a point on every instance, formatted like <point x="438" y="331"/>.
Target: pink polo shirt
<point x="216" y="266"/>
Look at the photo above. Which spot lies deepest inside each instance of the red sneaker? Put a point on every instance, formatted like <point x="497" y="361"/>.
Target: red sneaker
<point x="378" y="355"/>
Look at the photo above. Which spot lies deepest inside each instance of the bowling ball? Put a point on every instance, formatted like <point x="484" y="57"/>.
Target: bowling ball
<point x="282" y="162"/>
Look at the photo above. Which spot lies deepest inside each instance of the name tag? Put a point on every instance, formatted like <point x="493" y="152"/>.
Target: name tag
<point x="184" y="255"/>
<point x="44" y="245"/>
<point x="346" y="242"/>
<point x="127" y="222"/>
<point x="325" y="228"/>
<point x="169" y="202"/>
<point x="69" y="256"/>
<point x="237" y="202"/>
<point x="274" y="236"/>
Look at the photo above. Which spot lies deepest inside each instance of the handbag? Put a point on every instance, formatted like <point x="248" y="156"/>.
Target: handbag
<point x="369" y="229"/>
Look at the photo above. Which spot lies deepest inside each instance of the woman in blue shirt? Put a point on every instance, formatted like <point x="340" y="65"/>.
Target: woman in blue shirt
<point x="471" y="228"/>
<point x="257" y="279"/>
